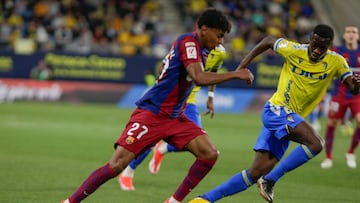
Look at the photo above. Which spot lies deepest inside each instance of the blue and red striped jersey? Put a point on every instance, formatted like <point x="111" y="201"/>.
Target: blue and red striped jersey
<point x="168" y="96"/>
<point x="353" y="59"/>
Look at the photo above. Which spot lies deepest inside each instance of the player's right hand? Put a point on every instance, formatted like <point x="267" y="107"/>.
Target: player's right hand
<point x="246" y="74"/>
<point x="356" y="78"/>
<point x="356" y="81"/>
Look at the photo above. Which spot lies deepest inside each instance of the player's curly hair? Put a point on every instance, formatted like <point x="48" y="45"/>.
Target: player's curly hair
<point x="324" y="31"/>
<point x="214" y="18"/>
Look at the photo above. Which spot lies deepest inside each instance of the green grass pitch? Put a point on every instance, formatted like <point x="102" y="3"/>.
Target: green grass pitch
<point x="48" y="149"/>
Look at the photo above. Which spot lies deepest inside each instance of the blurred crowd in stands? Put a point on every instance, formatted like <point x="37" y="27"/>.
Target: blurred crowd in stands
<point x="130" y="27"/>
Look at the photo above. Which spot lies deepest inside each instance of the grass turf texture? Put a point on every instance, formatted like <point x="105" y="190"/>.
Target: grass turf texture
<point x="48" y="149"/>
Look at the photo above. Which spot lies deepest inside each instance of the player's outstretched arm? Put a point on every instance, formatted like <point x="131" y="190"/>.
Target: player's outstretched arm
<point x="201" y="78"/>
<point x="265" y="44"/>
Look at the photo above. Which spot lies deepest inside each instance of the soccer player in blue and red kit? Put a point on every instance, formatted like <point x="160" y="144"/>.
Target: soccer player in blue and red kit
<point x="342" y="99"/>
<point x="213" y="63"/>
<point x="159" y="114"/>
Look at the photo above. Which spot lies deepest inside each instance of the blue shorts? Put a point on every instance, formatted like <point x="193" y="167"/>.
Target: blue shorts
<point x="191" y="112"/>
<point x="275" y="120"/>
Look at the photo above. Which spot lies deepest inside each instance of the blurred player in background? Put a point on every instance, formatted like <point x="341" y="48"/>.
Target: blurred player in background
<point x="160" y="111"/>
<point x="346" y="124"/>
<point x="213" y="63"/>
<point x="342" y="100"/>
<point x="307" y="72"/>
<point x="316" y="115"/>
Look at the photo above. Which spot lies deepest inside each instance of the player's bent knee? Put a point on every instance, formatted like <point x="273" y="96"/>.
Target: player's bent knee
<point x="316" y="147"/>
<point x="211" y="154"/>
<point x="120" y="159"/>
<point x="320" y="145"/>
<point x="214" y="154"/>
<point x="116" y="166"/>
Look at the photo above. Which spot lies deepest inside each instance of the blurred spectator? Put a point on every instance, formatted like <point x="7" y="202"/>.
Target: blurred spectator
<point x="41" y="71"/>
<point x="253" y="19"/>
<point x="82" y="44"/>
<point x="5" y="34"/>
<point x="138" y="27"/>
<point x="62" y="36"/>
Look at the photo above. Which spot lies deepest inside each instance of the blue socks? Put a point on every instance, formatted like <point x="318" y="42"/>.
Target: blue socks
<point x="296" y="158"/>
<point x="171" y="148"/>
<point x="239" y="182"/>
<point x="137" y="161"/>
<point x="242" y="181"/>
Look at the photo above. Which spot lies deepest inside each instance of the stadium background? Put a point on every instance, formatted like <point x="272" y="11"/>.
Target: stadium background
<point x="105" y="47"/>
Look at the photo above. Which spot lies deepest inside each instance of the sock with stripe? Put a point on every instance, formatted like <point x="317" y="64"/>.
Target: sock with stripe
<point x="237" y="183"/>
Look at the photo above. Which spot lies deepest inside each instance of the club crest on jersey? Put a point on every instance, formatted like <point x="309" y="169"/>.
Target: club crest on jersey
<point x="191" y="52"/>
<point x="130" y="140"/>
<point x="290" y="118"/>
<point x="283" y="44"/>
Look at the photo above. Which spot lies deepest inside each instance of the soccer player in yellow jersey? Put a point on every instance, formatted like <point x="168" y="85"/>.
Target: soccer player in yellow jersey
<point x="307" y="72"/>
<point x="213" y="63"/>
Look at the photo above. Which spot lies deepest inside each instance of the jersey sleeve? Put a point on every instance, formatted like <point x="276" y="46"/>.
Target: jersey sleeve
<point x="189" y="51"/>
<point x="344" y="69"/>
<point x="284" y="47"/>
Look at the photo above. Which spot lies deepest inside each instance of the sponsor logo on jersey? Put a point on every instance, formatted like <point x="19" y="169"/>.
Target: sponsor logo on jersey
<point x="191" y="52"/>
<point x="315" y="76"/>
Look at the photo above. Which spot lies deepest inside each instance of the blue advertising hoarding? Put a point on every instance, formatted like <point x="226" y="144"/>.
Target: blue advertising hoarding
<point x="227" y="100"/>
<point x="118" y="69"/>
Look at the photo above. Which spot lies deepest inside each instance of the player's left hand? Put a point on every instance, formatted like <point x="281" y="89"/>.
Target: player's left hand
<point x="246" y="75"/>
<point x="352" y="83"/>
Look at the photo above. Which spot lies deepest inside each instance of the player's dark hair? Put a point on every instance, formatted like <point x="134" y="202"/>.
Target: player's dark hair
<point x="324" y="31"/>
<point x="213" y="18"/>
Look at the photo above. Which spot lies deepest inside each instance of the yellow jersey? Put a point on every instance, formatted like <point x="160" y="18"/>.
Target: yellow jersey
<point x="303" y="83"/>
<point x="212" y="64"/>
